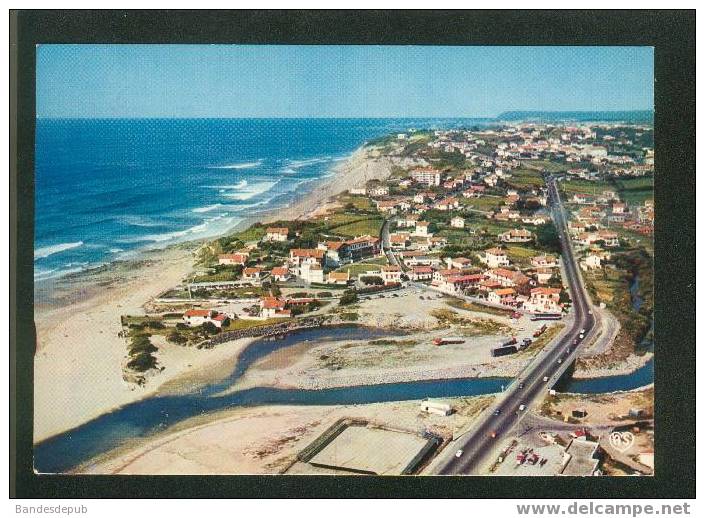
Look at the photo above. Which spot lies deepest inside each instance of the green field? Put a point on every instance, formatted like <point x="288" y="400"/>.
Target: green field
<point x="484" y="203"/>
<point x="636" y="190"/>
<point x="521" y="255"/>
<point x="357" y="269"/>
<point x="360" y="228"/>
<point x="523" y="178"/>
<point x="583" y="186"/>
<point x="551" y="167"/>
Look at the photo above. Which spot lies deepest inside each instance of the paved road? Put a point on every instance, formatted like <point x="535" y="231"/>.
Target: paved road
<point x="478" y="443"/>
<point x="386" y="245"/>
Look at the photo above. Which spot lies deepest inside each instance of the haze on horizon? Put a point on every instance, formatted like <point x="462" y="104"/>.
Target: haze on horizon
<point x="272" y="81"/>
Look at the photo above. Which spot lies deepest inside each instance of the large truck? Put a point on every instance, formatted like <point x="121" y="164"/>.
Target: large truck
<point x="504" y="350"/>
<point x="540" y="331"/>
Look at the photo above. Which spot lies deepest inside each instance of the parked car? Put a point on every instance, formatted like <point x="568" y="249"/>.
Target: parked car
<point x="458" y="453"/>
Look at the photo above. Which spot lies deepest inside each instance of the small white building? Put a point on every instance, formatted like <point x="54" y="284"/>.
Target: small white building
<point x="457" y="222"/>
<point x="436" y="407"/>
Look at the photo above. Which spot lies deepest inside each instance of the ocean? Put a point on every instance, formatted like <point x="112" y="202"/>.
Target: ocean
<point x="107" y="189"/>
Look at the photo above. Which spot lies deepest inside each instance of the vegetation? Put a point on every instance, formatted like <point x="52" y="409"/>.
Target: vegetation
<point x="349" y="297"/>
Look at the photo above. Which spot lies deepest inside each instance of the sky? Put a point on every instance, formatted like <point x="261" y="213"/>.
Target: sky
<point x="92" y="81"/>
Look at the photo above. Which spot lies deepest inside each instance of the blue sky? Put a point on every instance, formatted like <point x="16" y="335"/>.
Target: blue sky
<point x="337" y="81"/>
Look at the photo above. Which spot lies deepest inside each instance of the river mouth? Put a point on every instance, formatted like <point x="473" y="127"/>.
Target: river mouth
<point x="142" y="419"/>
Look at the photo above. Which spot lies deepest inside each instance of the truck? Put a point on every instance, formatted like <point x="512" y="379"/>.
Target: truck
<point x="526" y="342"/>
<point x="448" y="340"/>
<point x="511" y="341"/>
<point x="540" y="331"/>
<point x="504" y="350"/>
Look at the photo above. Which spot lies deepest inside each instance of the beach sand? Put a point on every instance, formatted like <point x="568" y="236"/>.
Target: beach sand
<point x="78" y="363"/>
<point x="266" y="439"/>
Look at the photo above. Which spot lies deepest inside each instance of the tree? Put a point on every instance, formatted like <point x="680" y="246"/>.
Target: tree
<point x="176" y="338"/>
<point x="209" y="328"/>
<point x="349" y="297"/>
<point x="142" y="362"/>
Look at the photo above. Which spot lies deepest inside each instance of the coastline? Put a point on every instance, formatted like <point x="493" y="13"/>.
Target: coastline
<point x="77" y="317"/>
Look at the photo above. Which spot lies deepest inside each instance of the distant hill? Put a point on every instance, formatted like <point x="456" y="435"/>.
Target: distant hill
<point x="634" y="116"/>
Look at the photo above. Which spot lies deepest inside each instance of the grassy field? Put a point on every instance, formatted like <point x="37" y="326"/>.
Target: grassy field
<point x="551" y="167"/>
<point x="523" y="178"/>
<point x="254" y="233"/>
<point x="360" y="228"/>
<point x="636" y="190"/>
<point x="357" y="269"/>
<point x="520" y="254"/>
<point x="484" y="203"/>
<point x="360" y="202"/>
<point x="571" y="187"/>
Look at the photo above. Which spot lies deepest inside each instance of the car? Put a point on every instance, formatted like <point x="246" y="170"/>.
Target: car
<point x="582" y="331"/>
<point x="545" y="379"/>
<point x="589" y="312"/>
<point x="521" y="385"/>
<point x="522" y="407"/>
<point x="493" y="434"/>
<point x="459" y="453"/>
<point x="497" y="412"/>
<point x="560" y="360"/>
<point x="575" y="342"/>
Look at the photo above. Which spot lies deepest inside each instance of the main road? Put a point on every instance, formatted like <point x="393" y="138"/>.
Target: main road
<point x="530" y="387"/>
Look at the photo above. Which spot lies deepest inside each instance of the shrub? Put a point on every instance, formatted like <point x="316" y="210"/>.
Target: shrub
<point x="372" y="279"/>
<point x="176" y="338"/>
<point x="142" y="362"/>
<point x="349" y="297"/>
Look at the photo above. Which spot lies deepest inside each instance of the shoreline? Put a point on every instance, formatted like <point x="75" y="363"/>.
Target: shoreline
<point x="77" y="317"/>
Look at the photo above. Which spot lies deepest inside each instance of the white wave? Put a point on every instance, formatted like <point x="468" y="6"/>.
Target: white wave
<point x="250" y="191"/>
<point x="241" y="185"/>
<point x="115" y="250"/>
<point x="242" y="165"/>
<point x="139" y="221"/>
<point x="42" y="275"/>
<point x="46" y="251"/>
<point x="208" y="208"/>
<point x="309" y="161"/>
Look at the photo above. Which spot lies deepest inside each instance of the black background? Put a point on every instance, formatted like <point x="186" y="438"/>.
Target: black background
<point x="672" y="33"/>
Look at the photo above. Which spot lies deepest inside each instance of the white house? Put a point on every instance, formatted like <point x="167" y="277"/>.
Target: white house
<point x="457" y="222"/>
<point x="421" y="229"/>
<point x="494" y="257"/>
<point x="276" y="234"/>
<point x="391" y="274"/>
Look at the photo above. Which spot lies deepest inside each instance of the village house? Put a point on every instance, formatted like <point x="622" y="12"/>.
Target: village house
<point x="420" y="259"/>
<point x="494" y="257"/>
<point x="457" y="222"/>
<point x="543" y="275"/>
<point x="610" y="239"/>
<point x="276" y="234"/>
<point x="544" y="261"/>
<point x="407" y="221"/>
<point x="457" y="283"/>
<point x="421" y="273"/>
<point x="280" y="273"/>
<point x="377" y="191"/>
<point x="440" y="275"/>
<point x="447" y="204"/>
<point x="342" y="278"/>
<point x="391" y="274"/>
<point x="544" y="300"/>
<point x="399" y="240"/>
<point x="387" y="206"/>
<point x="299" y="256"/>
<point x="502" y="296"/>
<point x="272" y="307"/>
<point x="232" y="259"/>
<point x="436" y="242"/>
<point x="421" y="229"/>
<point x="459" y="262"/>
<point x="516" y="236"/>
<point x="534" y="220"/>
<point x="311" y="273"/>
<point x="254" y="274"/>
<point x="582" y="198"/>
<point x="619" y="208"/>
<point x="507" y="278"/>
<point x="197" y="317"/>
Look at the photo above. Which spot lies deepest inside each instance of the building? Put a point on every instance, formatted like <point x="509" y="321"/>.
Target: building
<point x="581" y="458"/>
<point x="339" y="278"/>
<point x="457" y="283"/>
<point x="232" y="259"/>
<point x="280" y="273"/>
<point x="446" y="204"/>
<point x="272" y="307"/>
<point x="457" y="222"/>
<point x="544" y="261"/>
<point x="350" y="251"/>
<point x="502" y="296"/>
<point x="421" y="273"/>
<point x="276" y="234"/>
<point x="378" y="190"/>
<point x="311" y="273"/>
<point x="254" y="274"/>
<point x="299" y="256"/>
<point x="197" y="317"/>
<point x="507" y="278"/>
<point x="459" y="262"/>
<point x="494" y="257"/>
<point x="428" y="176"/>
<point x="543" y="275"/>
<point x="391" y="274"/>
<point x="407" y="221"/>
<point x="516" y="236"/>
<point x="399" y="240"/>
<point x="421" y="229"/>
<point x="610" y="239"/>
<point x="544" y="300"/>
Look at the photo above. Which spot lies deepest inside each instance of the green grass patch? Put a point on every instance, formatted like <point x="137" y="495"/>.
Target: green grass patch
<point x="360" y="228"/>
<point x="471" y="306"/>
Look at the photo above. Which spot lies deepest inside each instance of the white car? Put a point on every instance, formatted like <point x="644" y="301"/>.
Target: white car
<point x="458" y="453"/>
<point x="521" y="408"/>
<point x="545" y="379"/>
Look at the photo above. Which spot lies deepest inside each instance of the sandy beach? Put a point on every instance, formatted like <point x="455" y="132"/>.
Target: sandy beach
<point x="264" y="440"/>
<point x="78" y="363"/>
